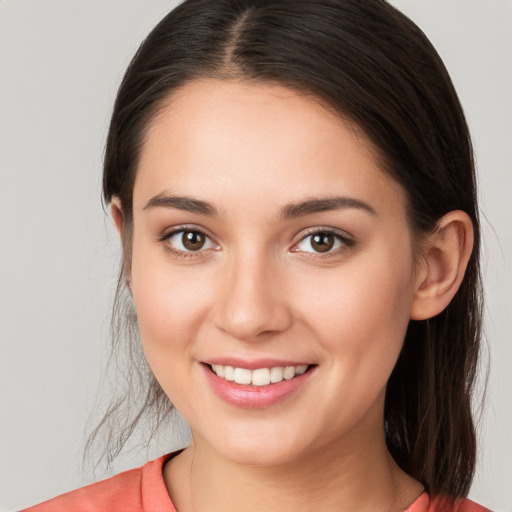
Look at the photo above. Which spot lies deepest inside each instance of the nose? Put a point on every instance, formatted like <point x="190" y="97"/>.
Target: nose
<point x="252" y="300"/>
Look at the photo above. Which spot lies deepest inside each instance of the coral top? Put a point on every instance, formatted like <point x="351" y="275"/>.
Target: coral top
<point x="143" y="490"/>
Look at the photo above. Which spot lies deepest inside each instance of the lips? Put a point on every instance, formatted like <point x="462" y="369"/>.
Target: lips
<point x="256" y="384"/>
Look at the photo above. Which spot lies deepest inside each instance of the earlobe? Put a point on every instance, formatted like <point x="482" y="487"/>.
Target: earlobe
<point x="445" y="257"/>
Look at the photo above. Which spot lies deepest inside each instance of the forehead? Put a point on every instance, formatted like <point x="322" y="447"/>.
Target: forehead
<point x="213" y="139"/>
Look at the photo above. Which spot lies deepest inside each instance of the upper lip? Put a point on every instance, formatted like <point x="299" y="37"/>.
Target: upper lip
<point x="254" y="364"/>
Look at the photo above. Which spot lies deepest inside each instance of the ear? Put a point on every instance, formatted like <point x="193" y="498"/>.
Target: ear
<point x="445" y="257"/>
<point x="116" y="211"/>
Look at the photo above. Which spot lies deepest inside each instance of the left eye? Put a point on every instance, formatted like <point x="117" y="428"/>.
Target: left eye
<point x="321" y="242"/>
<point x="190" y="240"/>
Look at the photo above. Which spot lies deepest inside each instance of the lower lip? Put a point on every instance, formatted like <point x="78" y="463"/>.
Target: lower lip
<point x="253" y="397"/>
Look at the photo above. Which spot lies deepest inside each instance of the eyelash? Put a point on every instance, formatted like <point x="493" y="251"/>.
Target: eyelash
<point x="164" y="239"/>
<point x="346" y="242"/>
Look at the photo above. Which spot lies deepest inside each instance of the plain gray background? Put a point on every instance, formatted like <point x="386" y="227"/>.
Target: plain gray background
<point x="61" y="63"/>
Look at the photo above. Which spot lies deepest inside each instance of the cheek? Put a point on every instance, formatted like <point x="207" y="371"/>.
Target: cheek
<point x="169" y="303"/>
<point x="359" y="319"/>
<point x="361" y="311"/>
<point x="170" y="310"/>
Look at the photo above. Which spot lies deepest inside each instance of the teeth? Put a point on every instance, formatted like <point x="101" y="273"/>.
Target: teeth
<point x="260" y="376"/>
<point x="229" y="373"/>
<point x="289" y="372"/>
<point x="218" y="369"/>
<point x="276" y="374"/>
<point x="301" y="369"/>
<point x="243" y="376"/>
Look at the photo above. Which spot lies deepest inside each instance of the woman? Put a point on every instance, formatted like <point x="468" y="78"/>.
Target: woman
<point x="294" y="190"/>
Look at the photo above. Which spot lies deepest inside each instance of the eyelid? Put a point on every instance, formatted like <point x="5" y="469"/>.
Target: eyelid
<point x="344" y="237"/>
<point x="170" y="232"/>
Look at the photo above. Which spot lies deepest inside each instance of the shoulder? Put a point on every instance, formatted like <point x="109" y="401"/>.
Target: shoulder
<point x="441" y="504"/>
<point x="137" y="490"/>
<point x="468" y="506"/>
<point x="121" y="492"/>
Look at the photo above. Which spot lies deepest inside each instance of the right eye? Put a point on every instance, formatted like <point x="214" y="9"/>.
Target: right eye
<point x="185" y="241"/>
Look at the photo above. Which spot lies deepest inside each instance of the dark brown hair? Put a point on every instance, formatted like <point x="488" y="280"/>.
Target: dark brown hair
<point x="372" y="65"/>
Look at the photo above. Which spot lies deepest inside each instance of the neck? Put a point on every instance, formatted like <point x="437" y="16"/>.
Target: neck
<point x="357" y="474"/>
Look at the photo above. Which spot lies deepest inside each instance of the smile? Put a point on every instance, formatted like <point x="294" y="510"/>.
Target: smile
<point x="264" y="384"/>
<point x="258" y="376"/>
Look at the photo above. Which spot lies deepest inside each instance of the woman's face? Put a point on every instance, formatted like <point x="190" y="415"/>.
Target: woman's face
<point x="266" y="236"/>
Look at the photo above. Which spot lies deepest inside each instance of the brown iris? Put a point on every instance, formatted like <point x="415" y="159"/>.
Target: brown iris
<point x="322" y="242"/>
<point x="193" y="240"/>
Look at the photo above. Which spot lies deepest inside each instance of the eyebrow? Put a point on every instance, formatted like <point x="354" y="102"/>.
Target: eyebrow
<point x="312" y="206"/>
<point x="181" y="203"/>
<point x="291" y="211"/>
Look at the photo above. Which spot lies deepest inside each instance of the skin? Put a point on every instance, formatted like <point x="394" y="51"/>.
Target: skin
<point x="258" y="289"/>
